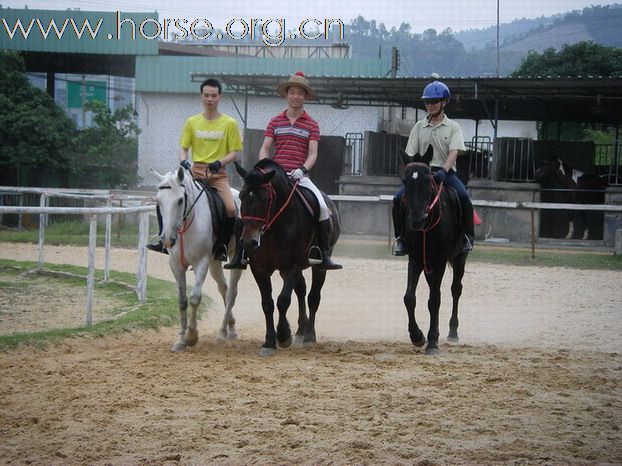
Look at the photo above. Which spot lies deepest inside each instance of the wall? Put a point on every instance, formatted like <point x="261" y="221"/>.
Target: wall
<point x="161" y="117"/>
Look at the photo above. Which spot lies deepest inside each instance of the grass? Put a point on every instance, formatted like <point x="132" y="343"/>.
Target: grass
<point x="512" y="255"/>
<point x="160" y="309"/>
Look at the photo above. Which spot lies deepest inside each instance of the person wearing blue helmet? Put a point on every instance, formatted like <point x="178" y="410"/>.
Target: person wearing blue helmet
<point x="445" y="137"/>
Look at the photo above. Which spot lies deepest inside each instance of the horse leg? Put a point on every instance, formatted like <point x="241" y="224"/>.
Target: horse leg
<point x="283" y="331"/>
<point x="221" y="282"/>
<point x="232" y="294"/>
<point x="410" y="301"/>
<point x="456" y="291"/>
<point x="200" y="272"/>
<point x="317" y="282"/>
<point x="267" y="304"/>
<point x="182" y="299"/>
<point x="301" y="293"/>
<point x="434" y="280"/>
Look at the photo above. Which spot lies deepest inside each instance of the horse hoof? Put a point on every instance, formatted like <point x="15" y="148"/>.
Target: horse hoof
<point x="308" y="344"/>
<point x="192" y="337"/>
<point x="267" y="352"/>
<point x="232" y="336"/>
<point x="418" y="343"/>
<point x="298" y="340"/>
<point x="178" y="348"/>
<point x="432" y="351"/>
<point x="287" y="343"/>
<point x="453" y="340"/>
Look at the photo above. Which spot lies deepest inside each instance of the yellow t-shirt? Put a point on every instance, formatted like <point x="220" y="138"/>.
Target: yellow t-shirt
<point x="210" y="140"/>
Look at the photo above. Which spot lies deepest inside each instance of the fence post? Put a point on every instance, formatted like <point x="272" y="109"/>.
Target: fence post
<point x="90" y="277"/>
<point x="107" y="238"/>
<point x="43" y="201"/>
<point x="141" y="275"/>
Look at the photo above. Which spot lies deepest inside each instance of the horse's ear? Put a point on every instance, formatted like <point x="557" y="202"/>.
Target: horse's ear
<point x="406" y="159"/>
<point x="180" y="174"/>
<point x="155" y="174"/>
<point x="268" y="176"/>
<point x="240" y="169"/>
<point x="427" y="157"/>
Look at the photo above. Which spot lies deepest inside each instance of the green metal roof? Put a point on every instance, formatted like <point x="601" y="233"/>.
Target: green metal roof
<point x="74" y="31"/>
<point x="173" y="73"/>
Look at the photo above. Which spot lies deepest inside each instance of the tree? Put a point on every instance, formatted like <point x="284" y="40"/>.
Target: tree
<point x="107" y="153"/>
<point x="35" y="133"/>
<point x="580" y="59"/>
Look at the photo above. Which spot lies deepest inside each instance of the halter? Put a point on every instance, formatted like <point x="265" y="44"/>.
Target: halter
<point x="268" y="221"/>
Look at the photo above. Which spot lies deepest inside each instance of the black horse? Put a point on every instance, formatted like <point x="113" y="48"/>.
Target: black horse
<point x="563" y="184"/>
<point x="279" y="230"/>
<point x="433" y="231"/>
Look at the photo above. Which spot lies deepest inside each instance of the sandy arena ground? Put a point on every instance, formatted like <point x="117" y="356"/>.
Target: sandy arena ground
<point x="536" y="378"/>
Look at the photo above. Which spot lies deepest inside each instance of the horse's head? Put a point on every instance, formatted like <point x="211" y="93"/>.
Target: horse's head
<point x="419" y="188"/>
<point x="259" y="197"/>
<point x="171" y="199"/>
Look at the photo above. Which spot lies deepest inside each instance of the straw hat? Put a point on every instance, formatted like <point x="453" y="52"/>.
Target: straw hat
<point x="297" y="80"/>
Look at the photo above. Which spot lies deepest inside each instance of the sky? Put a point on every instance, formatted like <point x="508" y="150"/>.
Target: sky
<point x="440" y="14"/>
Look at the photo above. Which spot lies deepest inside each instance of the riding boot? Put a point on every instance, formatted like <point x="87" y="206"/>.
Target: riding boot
<point x="468" y="224"/>
<point x="239" y="261"/>
<point x="158" y="246"/>
<point x="323" y="239"/>
<point x="220" y="249"/>
<point x="400" y="247"/>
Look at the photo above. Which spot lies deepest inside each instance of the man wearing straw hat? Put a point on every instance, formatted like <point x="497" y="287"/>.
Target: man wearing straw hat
<point x="296" y="136"/>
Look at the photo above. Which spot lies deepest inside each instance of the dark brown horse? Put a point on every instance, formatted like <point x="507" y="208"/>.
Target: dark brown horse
<point x="434" y="235"/>
<point x="278" y="232"/>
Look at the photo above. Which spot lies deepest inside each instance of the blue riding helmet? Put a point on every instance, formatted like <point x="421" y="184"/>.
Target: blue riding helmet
<point x="436" y="90"/>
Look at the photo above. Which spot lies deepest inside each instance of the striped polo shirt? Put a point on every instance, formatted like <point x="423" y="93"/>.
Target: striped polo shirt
<point x="291" y="142"/>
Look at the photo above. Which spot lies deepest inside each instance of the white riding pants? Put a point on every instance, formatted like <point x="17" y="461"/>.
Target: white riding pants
<point x="306" y="182"/>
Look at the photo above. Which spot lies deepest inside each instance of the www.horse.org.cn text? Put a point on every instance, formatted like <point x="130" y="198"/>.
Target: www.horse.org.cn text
<point x="271" y="32"/>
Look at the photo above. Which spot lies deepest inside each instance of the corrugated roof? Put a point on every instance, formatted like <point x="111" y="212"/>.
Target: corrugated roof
<point x="74" y="31"/>
<point x="173" y="73"/>
<point x="583" y="99"/>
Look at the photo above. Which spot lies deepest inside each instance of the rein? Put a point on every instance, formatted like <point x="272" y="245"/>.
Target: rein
<point x="185" y="223"/>
<point x="267" y="220"/>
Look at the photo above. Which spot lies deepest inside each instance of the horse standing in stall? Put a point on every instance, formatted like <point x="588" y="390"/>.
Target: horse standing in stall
<point x="278" y="233"/>
<point x="188" y="235"/>
<point x="581" y="188"/>
<point x="433" y="231"/>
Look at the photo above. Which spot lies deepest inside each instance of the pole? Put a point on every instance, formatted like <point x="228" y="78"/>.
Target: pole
<point x="498" y="59"/>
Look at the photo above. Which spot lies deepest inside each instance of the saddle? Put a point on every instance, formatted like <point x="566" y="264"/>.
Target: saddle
<point x="309" y="200"/>
<point x="216" y="206"/>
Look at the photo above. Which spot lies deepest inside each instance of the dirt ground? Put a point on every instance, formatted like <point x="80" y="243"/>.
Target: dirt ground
<point x="536" y="379"/>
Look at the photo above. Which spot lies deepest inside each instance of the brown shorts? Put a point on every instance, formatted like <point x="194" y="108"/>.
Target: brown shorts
<point x="219" y="181"/>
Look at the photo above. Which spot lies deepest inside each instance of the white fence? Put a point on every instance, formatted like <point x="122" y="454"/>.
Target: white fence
<point x="93" y="212"/>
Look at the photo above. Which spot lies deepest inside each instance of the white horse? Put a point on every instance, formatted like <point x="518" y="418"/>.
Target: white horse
<point x="188" y="236"/>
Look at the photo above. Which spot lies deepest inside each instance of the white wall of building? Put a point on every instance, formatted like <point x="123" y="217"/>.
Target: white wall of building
<point x="161" y="117"/>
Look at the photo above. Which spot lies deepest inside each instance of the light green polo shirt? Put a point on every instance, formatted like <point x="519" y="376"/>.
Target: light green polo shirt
<point x="445" y="136"/>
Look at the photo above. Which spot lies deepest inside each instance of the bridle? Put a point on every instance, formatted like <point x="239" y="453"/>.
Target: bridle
<point x="267" y="220"/>
<point x="430" y="221"/>
<point x="187" y="217"/>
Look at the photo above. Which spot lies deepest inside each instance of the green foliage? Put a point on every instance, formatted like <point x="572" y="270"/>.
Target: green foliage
<point x="107" y="154"/>
<point x="580" y="59"/>
<point x="35" y="134"/>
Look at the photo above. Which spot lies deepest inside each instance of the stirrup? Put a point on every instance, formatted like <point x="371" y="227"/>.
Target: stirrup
<point x="240" y="264"/>
<point x="315" y="255"/>
<point x="157" y="247"/>
<point x="220" y="254"/>
<point x="467" y="244"/>
<point x="399" y="247"/>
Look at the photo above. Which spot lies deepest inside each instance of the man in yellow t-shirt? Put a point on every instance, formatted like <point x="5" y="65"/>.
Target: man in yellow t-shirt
<point x="213" y="139"/>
